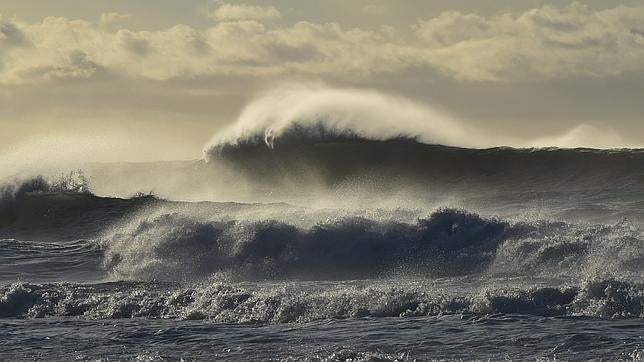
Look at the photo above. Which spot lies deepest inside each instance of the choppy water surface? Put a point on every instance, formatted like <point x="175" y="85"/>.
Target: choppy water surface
<point x="495" y="337"/>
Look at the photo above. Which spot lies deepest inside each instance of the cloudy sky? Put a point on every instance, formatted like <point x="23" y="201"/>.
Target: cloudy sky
<point x="154" y="79"/>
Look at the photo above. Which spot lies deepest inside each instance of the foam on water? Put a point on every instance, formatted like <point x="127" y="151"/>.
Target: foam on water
<point x="289" y="303"/>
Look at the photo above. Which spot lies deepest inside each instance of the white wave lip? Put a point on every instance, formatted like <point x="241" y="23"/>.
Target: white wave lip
<point x="366" y="113"/>
<point x="377" y="116"/>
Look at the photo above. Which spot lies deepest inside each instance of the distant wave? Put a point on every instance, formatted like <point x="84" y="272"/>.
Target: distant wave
<point x="306" y="158"/>
<point x="303" y="136"/>
<point x="377" y="116"/>
<point x="36" y="209"/>
<point x="10" y="191"/>
<point x="368" y="114"/>
<point x="225" y="303"/>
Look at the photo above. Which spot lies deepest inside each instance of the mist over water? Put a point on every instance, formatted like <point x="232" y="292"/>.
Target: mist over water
<point x="309" y="126"/>
<point x="367" y="114"/>
<point x="373" y="115"/>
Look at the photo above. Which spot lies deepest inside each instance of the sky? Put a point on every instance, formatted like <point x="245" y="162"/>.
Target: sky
<point x="155" y="79"/>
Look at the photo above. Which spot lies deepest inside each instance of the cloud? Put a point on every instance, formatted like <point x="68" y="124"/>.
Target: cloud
<point x="134" y="43"/>
<point x="78" y="65"/>
<point x="111" y="18"/>
<point x="542" y="43"/>
<point x="453" y="27"/>
<point x="545" y="42"/>
<point x="11" y="34"/>
<point x="228" y="12"/>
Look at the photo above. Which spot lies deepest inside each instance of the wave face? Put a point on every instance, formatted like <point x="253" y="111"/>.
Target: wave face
<point x="29" y="211"/>
<point x="447" y="243"/>
<point x="230" y="304"/>
<point x="56" y="236"/>
<point x="378" y="116"/>
<point x="303" y="139"/>
<point x="305" y="160"/>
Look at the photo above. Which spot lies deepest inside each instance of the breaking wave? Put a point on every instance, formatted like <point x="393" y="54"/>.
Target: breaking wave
<point x="145" y="238"/>
<point x="369" y="114"/>
<point x="220" y="302"/>
<point x="301" y="137"/>
<point x="372" y="115"/>
<point x="314" y="159"/>
<point x="447" y="243"/>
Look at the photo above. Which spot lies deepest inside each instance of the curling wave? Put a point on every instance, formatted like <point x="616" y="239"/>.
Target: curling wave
<point x="299" y="138"/>
<point x="369" y="114"/>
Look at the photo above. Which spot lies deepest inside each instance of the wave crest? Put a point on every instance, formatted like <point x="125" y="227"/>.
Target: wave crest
<point x="330" y="111"/>
<point x="171" y="246"/>
<point x="448" y="242"/>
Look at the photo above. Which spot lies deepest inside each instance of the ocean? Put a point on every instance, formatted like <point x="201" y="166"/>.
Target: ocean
<point x="329" y="248"/>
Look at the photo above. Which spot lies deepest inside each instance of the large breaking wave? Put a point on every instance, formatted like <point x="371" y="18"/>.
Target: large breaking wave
<point x="150" y="239"/>
<point x="369" y="114"/>
<point x="378" y="116"/>
<point x="447" y="243"/>
<point x="331" y="162"/>
<point x="307" y="139"/>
